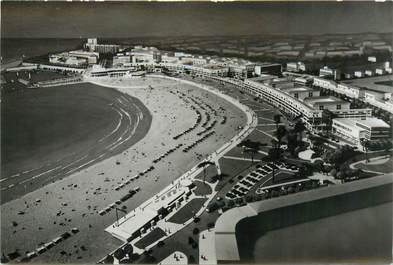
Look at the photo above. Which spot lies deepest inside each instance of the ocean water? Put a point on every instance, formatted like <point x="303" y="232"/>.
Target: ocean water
<point x="14" y="49"/>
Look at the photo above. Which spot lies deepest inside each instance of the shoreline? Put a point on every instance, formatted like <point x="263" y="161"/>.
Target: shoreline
<point x="134" y="124"/>
<point x="93" y="192"/>
<point x="190" y="175"/>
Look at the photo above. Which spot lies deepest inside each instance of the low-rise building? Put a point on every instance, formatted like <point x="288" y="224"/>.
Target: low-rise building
<point x="92" y="57"/>
<point x="368" y="73"/>
<point x="268" y="68"/>
<point x="372" y="59"/>
<point x="329" y="73"/>
<point x="67" y="60"/>
<point x="296" y="67"/>
<point x="354" y="130"/>
<point x="121" y="59"/>
<point x="327" y="103"/>
<point x="358" y="74"/>
<point x="301" y="92"/>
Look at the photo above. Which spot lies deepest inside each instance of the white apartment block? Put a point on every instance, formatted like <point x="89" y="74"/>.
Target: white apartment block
<point x="355" y="130"/>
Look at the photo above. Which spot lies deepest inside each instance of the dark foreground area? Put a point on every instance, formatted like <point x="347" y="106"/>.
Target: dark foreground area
<point x="49" y="133"/>
<point x="355" y="227"/>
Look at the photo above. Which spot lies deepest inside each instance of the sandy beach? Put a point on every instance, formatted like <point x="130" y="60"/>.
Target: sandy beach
<point x="76" y="200"/>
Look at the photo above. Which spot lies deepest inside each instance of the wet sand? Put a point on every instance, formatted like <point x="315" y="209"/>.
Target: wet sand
<point x="76" y="200"/>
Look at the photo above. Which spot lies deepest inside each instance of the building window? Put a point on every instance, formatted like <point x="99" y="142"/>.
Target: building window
<point x="338" y="106"/>
<point x="296" y="95"/>
<point x="321" y="107"/>
<point x="310" y="94"/>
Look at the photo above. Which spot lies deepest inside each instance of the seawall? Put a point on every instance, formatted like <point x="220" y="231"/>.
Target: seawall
<point x="237" y="229"/>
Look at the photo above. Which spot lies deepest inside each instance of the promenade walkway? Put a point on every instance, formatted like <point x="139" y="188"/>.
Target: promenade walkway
<point x="135" y="220"/>
<point x="176" y="258"/>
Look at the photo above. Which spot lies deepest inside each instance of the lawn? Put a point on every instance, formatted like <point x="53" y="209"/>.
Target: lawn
<point x="210" y="172"/>
<point x="202" y="188"/>
<point x="386" y="167"/>
<point x="187" y="212"/>
<point x="150" y="238"/>
<point x="385" y="83"/>
<point x="280" y="177"/>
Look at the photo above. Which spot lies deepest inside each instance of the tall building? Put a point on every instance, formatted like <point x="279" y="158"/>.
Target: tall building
<point x="93" y="46"/>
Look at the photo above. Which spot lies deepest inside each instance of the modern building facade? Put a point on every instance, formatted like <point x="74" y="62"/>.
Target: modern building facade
<point x="356" y="130"/>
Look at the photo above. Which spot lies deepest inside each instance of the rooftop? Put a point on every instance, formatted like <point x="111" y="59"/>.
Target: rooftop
<point x="369" y="122"/>
<point x="297" y="89"/>
<point x="323" y="99"/>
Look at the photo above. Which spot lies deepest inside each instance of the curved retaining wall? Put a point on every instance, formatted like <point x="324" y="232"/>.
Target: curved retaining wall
<point x="319" y="203"/>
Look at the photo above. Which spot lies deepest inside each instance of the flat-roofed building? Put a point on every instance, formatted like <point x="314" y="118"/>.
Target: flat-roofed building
<point x="240" y="70"/>
<point x="372" y="59"/>
<point x="268" y="68"/>
<point x="292" y="67"/>
<point x="92" y="57"/>
<point x="67" y="60"/>
<point x="354" y="130"/>
<point x="329" y="73"/>
<point x="121" y="59"/>
<point x="327" y="103"/>
<point x="301" y="92"/>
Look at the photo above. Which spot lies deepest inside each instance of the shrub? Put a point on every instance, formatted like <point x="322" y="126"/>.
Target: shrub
<point x="249" y="198"/>
<point x="195" y="231"/>
<point x="210" y="225"/>
<point x="230" y="203"/>
<point x="191" y="259"/>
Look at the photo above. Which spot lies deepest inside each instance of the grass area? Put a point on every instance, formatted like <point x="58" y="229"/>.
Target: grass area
<point x="210" y="172"/>
<point x="150" y="238"/>
<point x="385" y="83"/>
<point x="35" y="76"/>
<point x="202" y="188"/>
<point x="187" y="211"/>
<point x="386" y="167"/>
<point x="281" y="177"/>
<point x="231" y="168"/>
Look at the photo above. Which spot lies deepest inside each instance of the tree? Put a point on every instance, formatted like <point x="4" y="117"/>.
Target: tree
<point x="333" y="172"/>
<point x="250" y="147"/>
<point x="366" y="144"/>
<point x="277" y="119"/>
<point x="292" y="142"/>
<point x="280" y="133"/>
<point x="274" y="154"/>
<point x="327" y="118"/>
<point x="191" y="259"/>
<point x="251" y="151"/>
<point x="299" y="129"/>
<point x="119" y="254"/>
<point x="128" y="249"/>
<point x="318" y="165"/>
